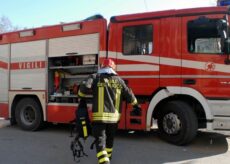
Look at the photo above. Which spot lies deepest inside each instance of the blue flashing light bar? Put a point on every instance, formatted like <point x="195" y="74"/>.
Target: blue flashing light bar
<point x="223" y="2"/>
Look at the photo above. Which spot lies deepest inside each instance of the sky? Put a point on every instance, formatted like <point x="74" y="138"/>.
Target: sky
<point x="37" y="13"/>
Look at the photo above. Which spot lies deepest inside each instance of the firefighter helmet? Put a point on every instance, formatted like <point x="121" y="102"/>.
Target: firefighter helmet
<point x="109" y="63"/>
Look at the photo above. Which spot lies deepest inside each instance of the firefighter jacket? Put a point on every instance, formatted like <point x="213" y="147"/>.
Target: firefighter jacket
<point x="108" y="91"/>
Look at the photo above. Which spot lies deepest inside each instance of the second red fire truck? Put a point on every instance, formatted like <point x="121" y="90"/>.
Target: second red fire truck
<point x="175" y="61"/>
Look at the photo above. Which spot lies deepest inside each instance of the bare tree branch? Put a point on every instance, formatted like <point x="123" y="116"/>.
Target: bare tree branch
<point x="6" y="25"/>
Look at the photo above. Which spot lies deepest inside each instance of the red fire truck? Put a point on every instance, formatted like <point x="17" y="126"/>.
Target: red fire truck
<point x="175" y="61"/>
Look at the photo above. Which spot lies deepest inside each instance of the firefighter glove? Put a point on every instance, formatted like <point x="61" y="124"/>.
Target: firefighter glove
<point x="136" y="110"/>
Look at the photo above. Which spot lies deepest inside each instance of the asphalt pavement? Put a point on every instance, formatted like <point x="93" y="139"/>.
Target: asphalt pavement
<point x="52" y="146"/>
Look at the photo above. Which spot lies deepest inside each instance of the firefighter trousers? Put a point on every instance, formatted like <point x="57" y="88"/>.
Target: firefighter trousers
<point x="104" y="136"/>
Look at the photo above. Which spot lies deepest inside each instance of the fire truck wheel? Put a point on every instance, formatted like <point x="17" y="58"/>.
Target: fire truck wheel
<point x="29" y="114"/>
<point x="177" y="123"/>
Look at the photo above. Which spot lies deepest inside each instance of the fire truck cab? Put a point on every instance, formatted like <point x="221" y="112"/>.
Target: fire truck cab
<point x="176" y="62"/>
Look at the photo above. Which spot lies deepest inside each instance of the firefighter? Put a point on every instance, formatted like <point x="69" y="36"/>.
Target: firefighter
<point x="108" y="91"/>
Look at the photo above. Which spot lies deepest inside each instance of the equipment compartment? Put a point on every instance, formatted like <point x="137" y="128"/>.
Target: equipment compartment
<point x="65" y="75"/>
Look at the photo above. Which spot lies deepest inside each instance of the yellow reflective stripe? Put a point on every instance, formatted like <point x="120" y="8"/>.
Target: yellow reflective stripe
<point x="105" y="159"/>
<point x="85" y="131"/>
<point x="117" y="101"/>
<point x="100" y="99"/>
<point x="81" y="94"/>
<point x="105" y="119"/>
<point x="101" y="153"/>
<point x="106" y="116"/>
<point x="134" y="102"/>
<point x="83" y="122"/>
<point x="109" y="150"/>
<point x="116" y="114"/>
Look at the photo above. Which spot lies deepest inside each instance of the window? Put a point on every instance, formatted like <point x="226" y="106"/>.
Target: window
<point x="210" y="45"/>
<point x="203" y="36"/>
<point x="138" y="40"/>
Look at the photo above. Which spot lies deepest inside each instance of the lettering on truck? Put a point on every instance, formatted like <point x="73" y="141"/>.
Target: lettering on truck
<point x="28" y="65"/>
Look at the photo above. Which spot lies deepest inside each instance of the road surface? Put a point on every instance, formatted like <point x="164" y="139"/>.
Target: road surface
<point x="52" y="146"/>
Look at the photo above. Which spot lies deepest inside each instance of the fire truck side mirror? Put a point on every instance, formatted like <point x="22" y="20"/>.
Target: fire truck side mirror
<point x="227" y="51"/>
<point x="223" y="30"/>
<point x="222" y="26"/>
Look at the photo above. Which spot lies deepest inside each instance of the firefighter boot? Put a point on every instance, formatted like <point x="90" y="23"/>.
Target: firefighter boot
<point x="98" y="131"/>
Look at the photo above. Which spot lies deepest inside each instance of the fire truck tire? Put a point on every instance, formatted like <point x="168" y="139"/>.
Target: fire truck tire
<point x="28" y="114"/>
<point x="177" y="123"/>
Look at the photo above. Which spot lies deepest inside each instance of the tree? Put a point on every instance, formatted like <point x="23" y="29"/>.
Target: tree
<point x="6" y="25"/>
